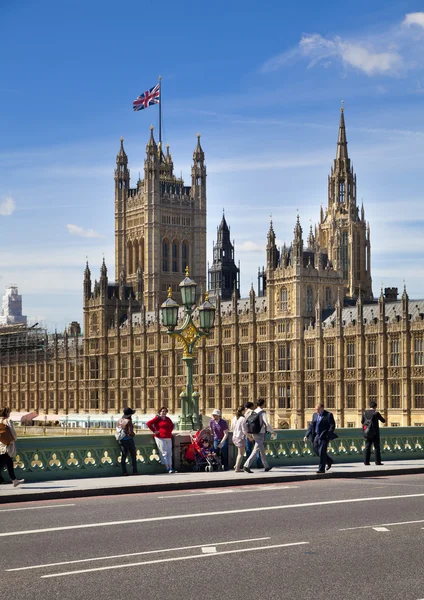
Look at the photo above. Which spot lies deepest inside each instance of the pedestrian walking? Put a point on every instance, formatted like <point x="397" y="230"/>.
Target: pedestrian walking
<point x="162" y="427"/>
<point x="238" y="427"/>
<point x="321" y="431"/>
<point x="370" y="421"/>
<point x="8" y="446"/>
<point x="219" y="430"/>
<point x="250" y="442"/>
<point x="126" y="443"/>
<point x="257" y="425"/>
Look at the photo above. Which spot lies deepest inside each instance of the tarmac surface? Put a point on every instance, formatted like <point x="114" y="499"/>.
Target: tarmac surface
<point x="325" y="538"/>
<point x="78" y="488"/>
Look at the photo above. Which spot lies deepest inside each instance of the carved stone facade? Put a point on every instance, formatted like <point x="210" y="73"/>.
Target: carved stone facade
<point x="312" y="332"/>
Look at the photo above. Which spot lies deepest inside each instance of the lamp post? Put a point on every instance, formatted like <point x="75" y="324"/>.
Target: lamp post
<point x="188" y="334"/>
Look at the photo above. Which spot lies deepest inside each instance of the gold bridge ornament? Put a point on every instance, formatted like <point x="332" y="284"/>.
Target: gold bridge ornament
<point x="187" y="337"/>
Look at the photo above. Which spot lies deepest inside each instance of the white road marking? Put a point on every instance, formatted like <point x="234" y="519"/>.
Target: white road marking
<point x="166" y="560"/>
<point x="35" y="507"/>
<point x="382" y="525"/>
<point x="209" y="549"/>
<point x="381" y="529"/>
<point x="82" y="560"/>
<point x="264" y="489"/>
<point x="209" y="514"/>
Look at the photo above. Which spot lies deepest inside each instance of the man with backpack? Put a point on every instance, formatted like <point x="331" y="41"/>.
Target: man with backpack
<point x="257" y="425"/>
<point x="125" y="436"/>
<point x="370" y="419"/>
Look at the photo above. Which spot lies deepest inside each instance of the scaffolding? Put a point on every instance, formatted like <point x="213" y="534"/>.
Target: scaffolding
<point x="19" y="343"/>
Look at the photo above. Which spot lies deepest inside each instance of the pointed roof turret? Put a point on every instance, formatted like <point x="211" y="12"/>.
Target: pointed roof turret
<point x="298" y="229"/>
<point x="311" y="239"/>
<point x="103" y="269"/>
<point x="121" y="157"/>
<point x="151" y="144"/>
<point x="342" y="142"/>
<point x="271" y="234"/>
<point x="87" y="272"/>
<point x="198" y="153"/>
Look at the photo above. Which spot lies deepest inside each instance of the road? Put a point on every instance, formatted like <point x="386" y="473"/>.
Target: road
<point x="344" y="539"/>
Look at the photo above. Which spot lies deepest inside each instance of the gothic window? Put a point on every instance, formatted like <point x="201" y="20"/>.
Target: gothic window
<point x="180" y="364"/>
<point x="394" y="352"/>
<point x="245" y="360"/>
<point x="372" y="353"/>
<point x="165" y="255"/>
<point x="211" y="397"/>
<point x="284" y="396"/>
<point x="345" y="254"/>
<point x="372" y="392"/>
<point x="310" y="395"/>
<point x="331" y="396"/>
<point x="358" y="256"/>
<point x="112" y="368"/>
<point x="309" y="300"/>
<point x="328" y="297"/>
<point x="227" y="361"/>
<point x="351" y="395"/>
<point x="419" y="351"/>
<point x="284" y="299"/>
<point x="165" y="369"/>
<point x="310" y="357"/>
<point x="184" y="256"/>
<point x="262" y="358"/>
<point x="227" y="396"/>
<point x="341" y="191"/>
<point x="124" y="368"/>
<point x="395" y="395"/>
<point x="419" y="394"/>
<point x="94" y="329"/>
<point x="211" y="362"/>
<point x="174" y="257"/>
<point x="137" y="367"/>
<point x="151" y="366"/>
<point x="330" y="356"/>
<point x="350" y="355"/>
<point x="61" y="371"/>
<point x="284" y="357"/>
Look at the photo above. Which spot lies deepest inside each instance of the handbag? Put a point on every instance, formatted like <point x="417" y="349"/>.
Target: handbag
<point x="6" y="436"/>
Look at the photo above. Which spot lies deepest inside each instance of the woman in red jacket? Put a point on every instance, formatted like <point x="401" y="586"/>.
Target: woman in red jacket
<point x="162" y="427"/>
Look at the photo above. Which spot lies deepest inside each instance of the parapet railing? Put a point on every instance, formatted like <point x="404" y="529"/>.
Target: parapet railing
<point x="47" y="458"/>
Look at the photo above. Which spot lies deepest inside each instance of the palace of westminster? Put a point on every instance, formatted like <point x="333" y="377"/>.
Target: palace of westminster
<point x="311" y="332"/>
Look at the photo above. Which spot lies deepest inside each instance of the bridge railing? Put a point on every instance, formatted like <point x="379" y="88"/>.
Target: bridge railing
<point x="47" y="458"/>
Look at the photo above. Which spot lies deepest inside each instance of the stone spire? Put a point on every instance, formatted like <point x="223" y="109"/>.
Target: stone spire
<point x="342" y="141"/>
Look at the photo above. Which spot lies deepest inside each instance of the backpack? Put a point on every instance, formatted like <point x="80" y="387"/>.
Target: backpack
<point x="369" y="426"/>
<point x="6" y="436"/>
<point x="120" y="434"/>
<point x="254" y="422"/>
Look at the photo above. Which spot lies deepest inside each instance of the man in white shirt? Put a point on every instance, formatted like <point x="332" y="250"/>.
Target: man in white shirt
<point x="259" y="439"/>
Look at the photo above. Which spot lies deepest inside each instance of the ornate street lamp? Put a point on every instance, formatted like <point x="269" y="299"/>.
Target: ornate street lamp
<point x="188" y="334"/>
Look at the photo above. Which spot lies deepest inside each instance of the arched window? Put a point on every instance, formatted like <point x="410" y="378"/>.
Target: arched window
<point x="165" y="255"/>
<point x="341" y="192"/>
<point x="284" y="299"/>
<point x="175" y="256"/>
<point x="135" y="256"/>
<point x="328" y="297"/>
<point x="184" y="255"/>
<point x="130" y="257"/>
<point x="309" y="299"/>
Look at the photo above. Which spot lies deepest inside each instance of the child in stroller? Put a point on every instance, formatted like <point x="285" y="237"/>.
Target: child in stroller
<point x="202" y="453"/>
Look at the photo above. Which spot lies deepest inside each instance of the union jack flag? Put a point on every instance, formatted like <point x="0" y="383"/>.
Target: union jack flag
<point x="150" y="97"/>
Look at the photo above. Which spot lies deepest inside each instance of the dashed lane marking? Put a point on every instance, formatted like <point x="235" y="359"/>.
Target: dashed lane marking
<point x="381" y="529"/>
<point x="83" y="560"/>
<point x="35" y="507"/>
<point x="382" y="525"/>
<point x="174" y="559"/>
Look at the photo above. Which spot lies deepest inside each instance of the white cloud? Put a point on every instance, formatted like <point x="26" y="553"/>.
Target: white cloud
<point x="416" y="18"/>
<point x="361" y="55"/>
<point x="250" y="246"/>
<point x="7" y="207"/>
<point x="81" y="232"/>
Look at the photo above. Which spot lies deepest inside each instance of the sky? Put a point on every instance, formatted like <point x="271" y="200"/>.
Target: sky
<point x="262" y="83"/>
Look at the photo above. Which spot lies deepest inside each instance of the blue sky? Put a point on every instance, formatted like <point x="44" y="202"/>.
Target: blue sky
<point x="262" y="82"/>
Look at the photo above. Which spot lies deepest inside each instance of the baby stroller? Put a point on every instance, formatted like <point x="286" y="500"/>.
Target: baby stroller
<point x="199" y="455"/>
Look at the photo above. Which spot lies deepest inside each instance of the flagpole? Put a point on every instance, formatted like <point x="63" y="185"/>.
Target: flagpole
<point x="160" y="110"/>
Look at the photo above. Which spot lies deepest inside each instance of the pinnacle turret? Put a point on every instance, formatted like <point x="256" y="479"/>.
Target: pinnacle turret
<point x="342" y="141"/>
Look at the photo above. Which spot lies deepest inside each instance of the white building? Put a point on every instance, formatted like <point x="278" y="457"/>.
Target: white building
<point x="12" y="307"/>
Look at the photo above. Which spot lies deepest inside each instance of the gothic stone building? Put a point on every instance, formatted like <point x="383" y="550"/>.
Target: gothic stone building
<point x="312" y="332"/>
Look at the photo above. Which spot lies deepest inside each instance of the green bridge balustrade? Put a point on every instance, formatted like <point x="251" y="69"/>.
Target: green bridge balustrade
<point x="48" y="458"/>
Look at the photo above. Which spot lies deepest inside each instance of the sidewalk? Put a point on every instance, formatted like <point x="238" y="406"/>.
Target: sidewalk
<point x="104" y="486"/>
